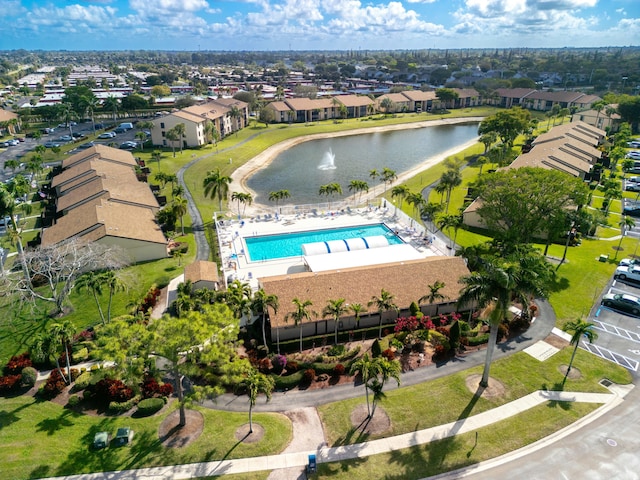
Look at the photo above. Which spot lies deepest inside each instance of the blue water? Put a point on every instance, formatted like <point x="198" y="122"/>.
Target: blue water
<point x="270" y="247"/>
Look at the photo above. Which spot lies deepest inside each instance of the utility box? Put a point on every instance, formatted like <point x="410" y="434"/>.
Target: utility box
<point x="604" y="258"/>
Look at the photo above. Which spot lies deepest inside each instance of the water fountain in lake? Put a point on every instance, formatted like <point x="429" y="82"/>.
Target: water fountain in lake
<point x="328" y="161"/>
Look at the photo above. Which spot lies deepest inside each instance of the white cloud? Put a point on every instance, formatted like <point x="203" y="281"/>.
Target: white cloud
<point x="169" y="5"/>
<point x="421" y="1"/>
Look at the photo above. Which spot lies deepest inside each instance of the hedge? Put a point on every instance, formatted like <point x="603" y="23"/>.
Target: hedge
<point x="149" y="406"/>
<point x="121" y="407"/>
<point x="478" y="340"/>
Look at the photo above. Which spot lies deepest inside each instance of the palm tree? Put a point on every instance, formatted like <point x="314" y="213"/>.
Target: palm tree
<point x="279" y="195"/>
<point x="416" y="200"/>
<point x="216" y="184"/>
<point x="387" y="105"/>
<point x="625" y="224"/>
<point x="428" y="211"/>
<point x="260" y="305"/>
<point x="358" y="186"/>
<point x="335" y="309"/>
<point x="157" y="156"/>
<point x="451" y="221"/>
<point x="61" y="334"/>
<point x="173" y="136"/>
<point x="7" y="209"/>
<point x="388" y="176"/>
<point x="578" y="328"/>
<point x="434" y="294"/>
<point x="115" y="284"/>
<point x="490" y="289"/>
<point x="450" y="179"/>
<point x="488" y="139"/>
<point x="383" y="303"/>
<point x="329" y="190"/>
<point x="367" y="368"/>
<point x="180" y="129"/>
<point x="235" y="114"/>
<point x="401" y="191"/>
<point x="93" y="281"/>
<point x="256" y="383"/>
<point x="357" y="309"/>
<point x="387" y="369"/>
<point x="243" y="199"/>
<point x="180" y="205"/>
<point x="300" y="314"/>
<point x="112" y="104"/>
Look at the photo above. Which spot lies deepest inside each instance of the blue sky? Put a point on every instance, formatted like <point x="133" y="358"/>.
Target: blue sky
<point x="316" y="24"/>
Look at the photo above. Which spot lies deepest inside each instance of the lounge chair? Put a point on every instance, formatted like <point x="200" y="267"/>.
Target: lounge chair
<point x="314" y="212"/>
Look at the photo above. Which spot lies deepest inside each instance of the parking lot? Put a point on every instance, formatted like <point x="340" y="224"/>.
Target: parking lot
<point x="618" y="332"/>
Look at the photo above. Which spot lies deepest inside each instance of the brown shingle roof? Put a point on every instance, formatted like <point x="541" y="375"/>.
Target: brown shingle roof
<point x="407" y="281"/>
<point x="84" y="170"/>
<point x="93" y="221"/>
<point x="6" y="115"/>
<point x="300" y="104"/>
<point x="280" y="106"/>
<point x="107" y="154"/>
<point x="201" y="271"/>
<point x="419" y="96"/>
<point x="354" y="100"/>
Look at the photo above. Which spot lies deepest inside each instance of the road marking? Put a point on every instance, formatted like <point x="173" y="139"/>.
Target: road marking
<point x="617" y="331"/>
<point x="612" y="356"/>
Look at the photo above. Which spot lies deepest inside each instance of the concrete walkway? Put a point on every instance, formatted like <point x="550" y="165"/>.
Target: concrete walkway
<point x="296" y="461"/>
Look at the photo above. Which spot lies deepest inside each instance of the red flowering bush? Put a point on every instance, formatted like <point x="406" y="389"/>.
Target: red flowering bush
<point x="389" y="354"/>
<point x="55" y="385"/>
<point x="84" y="336"/>
<point x="166" y="389"/>
<point x="9" y="382"/>
<point x="339" y="370"/>
<point x="264" y="365"/>
<point x="443" y="330"/>
<point x="151" y="388"/>
<point x="406" y="324"/>
<point x="309" y="375"/>
<point x="111" y="390"/>
<point x="440" y="351"/>
<point x="292" y="366"/>
<point x="426" y="323"/>
<point x="17" y="363"/>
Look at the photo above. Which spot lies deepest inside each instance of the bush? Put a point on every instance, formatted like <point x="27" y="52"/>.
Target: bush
<point x="292" y="366"/>
<point x="309" y="375"/>
<point x="166" y="389"/>
<point x="112" y="391"/>
<point x="389" y="354"/>
<point x="279" y="362"/>
<point x="29" y="377"/>
<point x="439" y="339"/>
<point x="320" y="368"/>
<point x="264" y="365"/>
<point x="339" y="370"/>
<point x="149" y="406"/>
<point x="54" y="385"/>
<point x="82" y="381"/>
<point x="337" y="350"/>
<point x="81" y="355"/>
<point x="288" y="382"/>
<point x="74" y="401"/>
<point x="478" y="339"/>
<point x="376" y="349"/>
<point x="9" y="382"/>
<point x="120" y="407"/>
<point x="16" y="363"/>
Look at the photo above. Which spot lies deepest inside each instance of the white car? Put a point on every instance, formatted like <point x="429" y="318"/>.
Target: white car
<point x="631" y="272"/>
<point x="107" y="135"/>
<point x="634" y="154"/>
<point x="626" y="262"/>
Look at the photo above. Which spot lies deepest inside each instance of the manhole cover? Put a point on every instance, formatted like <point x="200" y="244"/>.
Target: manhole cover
<point x="606" y="383"/>
<point x="611" y="442"/>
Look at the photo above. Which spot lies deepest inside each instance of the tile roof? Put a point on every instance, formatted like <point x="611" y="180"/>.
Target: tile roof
<point x="6" y="115"/>
<point x="85" y="170"/>
<point x="201" y="270"/>
<point x="419" y="96"/>
<point x="394" y="97"/>
<point x="406" y="281"/>
<point x="354" y="100"/>
<point x="279" y="106"/>
<point x="103" y="152"/>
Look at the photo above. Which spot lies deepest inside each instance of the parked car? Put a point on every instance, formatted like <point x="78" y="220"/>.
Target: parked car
<point x="107" y="135"/>
<point x="52" y="144"/>
<point x="84" y="146"/>
<point x="4" y="144"/>
<point x="99" y="126"/>
<point x="48" y="130"/>
<point x="632" y="272"/>
<point x="101" y="440"/>
<point x="64" y="125"/>
<point x="65" y="138"/>
<point x="13" y="142"/>
<point x="634" y="154"/>
<point x="123" y="436"/>
<point x="632" y="186"/>
<point x="623" y="302"/>
<point x="634" y="144"/>
<point x="128" y="145"/>
<point x="78" y="135"/>
<point x="625" y="262"/>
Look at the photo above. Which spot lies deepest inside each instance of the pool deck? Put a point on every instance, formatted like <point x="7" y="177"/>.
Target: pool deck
<point x="237" y="265"/>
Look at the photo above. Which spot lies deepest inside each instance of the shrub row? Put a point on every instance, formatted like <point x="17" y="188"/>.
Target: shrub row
<point x="120" y="407"/>
<point x="149" y="406"/>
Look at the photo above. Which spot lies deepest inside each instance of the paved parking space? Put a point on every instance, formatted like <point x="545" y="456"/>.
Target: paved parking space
<point x="618" y="333"/>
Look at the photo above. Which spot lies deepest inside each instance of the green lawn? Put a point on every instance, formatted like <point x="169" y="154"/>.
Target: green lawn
<point x="43" y="439"/>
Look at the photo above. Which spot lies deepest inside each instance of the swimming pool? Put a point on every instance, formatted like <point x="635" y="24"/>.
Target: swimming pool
<point x="271" y="247"/>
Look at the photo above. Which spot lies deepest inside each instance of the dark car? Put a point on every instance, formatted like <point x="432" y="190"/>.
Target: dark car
<point x="52" y="144"/>
<point x="78" y="135"/>
<point x="128" y="145"/>
<point x="84" y="146"/>
<point x="623" y="302"/>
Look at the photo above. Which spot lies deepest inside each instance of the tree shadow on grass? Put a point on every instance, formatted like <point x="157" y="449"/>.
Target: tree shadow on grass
<point x="355" y="434"/>
<point x="52" y="425"/>
<point x="557" y="387"/>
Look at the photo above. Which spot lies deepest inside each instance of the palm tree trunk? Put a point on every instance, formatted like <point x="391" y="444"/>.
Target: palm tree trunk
<point x="278" y="338"/>
<point x="250" y="417"/>
<point x="380" y="327"/>
<point x="491" y="346"/>
<point x="109" y="304"/>
<point x="95" y="297"/>
<point x="366" y="393"/>
<point x="66" y="352"/>
<point x="575" y="349"/>
<point x="264" y="332"/>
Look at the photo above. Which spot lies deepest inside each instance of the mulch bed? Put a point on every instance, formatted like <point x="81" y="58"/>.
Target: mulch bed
<point x="170" y="433"/>
<point x="378" y="424"/>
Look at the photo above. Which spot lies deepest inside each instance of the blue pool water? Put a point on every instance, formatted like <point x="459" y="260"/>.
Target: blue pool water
<point x="271" y="247"/>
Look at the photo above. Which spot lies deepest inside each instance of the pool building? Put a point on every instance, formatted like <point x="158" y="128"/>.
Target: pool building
<point x="328" y="257"/>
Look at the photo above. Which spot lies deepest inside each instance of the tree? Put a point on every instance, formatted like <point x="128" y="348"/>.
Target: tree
<point x="358" y="186"/>
<point x="387" y="105"/>
<point x="629" y="110"/>
<point x="401" y="191"/>
<point x="300" y="314"/>
<point x="198" y="338"/>
<point x="451" y="221"/>
<point x="488" y="139"/>
<point x="625" y="224"/>
<point x="434" y="294"/>
<point x="279" y="195"/>
<point x="357" y="309"/>
<point x="173" y="136"/>
<point x="507" y="124"/>
<point x="58" y="267"/>
<point x="113" y="281"/>
<point x="335" y="309"/>
<point x="243" y="199"/>
<point x="180" y="205"/>
<point x="578" y="329"/>
<point x="449" y="180"/>
<point x="329" y="190"/>
<point x="518" y="205"/>
<point x="111" y="104"/>
<point x="216" y="184"/>
<point x="387" y="369"/>
<point x="8" y="209"/>
<point x="367" y="368"/>
<point x="93" y="282"/>
<point x="447" y="96"/>
<point x="256" y="383"/>
<point x="180" y="130"/>
<point x="387" y="176"/>
<point x="157" y="156"/>
<point x="383" y="303"/>
<point x="60" y="335"/>
<point x="260" y="305"/>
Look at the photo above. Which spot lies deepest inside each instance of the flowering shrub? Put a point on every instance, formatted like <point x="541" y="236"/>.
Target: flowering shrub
<point x="112" y="390"/>
<point x="426" y="323"/>
<point x="84" y="336"/>
<point x="339" y="370"/>
<point x="406" y="324"/>
<point x="292" y="366"/>
<point x="264" y="365"/>
<point x="150" y="387"/>
<point x="389" y="354"/>
<point x="166" y="389"/>
<point x="443" y="330"/>
<point x="17" y="363"/>
<point x="9" y="382"/>
<point x="54" y="385"/>
<point x="309" y="375"/>
<point x="440" y="351"/>
<point x="279" y="362"/>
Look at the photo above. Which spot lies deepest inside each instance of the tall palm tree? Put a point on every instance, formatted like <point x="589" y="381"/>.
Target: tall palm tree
<point x="243" y="199"/>
<point x="7" y="209"/>
<point x="434" y="294"/>
<point x="216" y="184"/>
<point x="173" y="136"/>
<point x="401" y="191"/>
<point x="257" y="383"/>
<point x="358" y="186"/>
<point x="578" y="329"/>
<point x="451" y="221"/>
<point x="180" y="207"/>
<point x="357" y="309"/>
<point x="157" y="156"/>
<point x="93" y="282"/>
<point x="335" y="309"/>
<point x="450" y="179"/>
<point x="387" y="369"/>
<point x="260" y="305"/>
<point x="61" y="334"/>
<point x="278" y="195"/>
<point x="300" y="314"/>
<point x="115" y="284"/>
<point x="329" y="190"/>
<point x="490" y="289"/>
<point x="625" y="224"/>
<point x="383" y="303"/>
<point x="180" y="129"/>
<point x="367" y="368"/>
<point x="387" y="176"/>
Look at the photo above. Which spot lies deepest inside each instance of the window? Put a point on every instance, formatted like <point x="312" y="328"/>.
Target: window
<point x="162" y="125"/>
